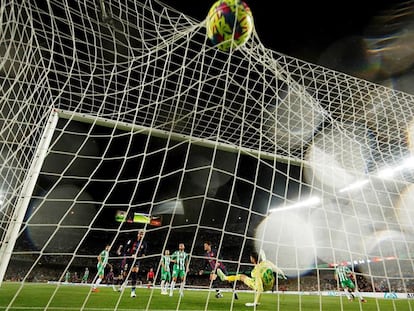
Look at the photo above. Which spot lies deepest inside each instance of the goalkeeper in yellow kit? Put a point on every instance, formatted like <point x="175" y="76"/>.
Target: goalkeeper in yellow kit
<point x="263" y="277"/>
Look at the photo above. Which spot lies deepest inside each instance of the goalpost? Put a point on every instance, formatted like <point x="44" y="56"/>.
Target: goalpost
<point x="120" y="116"/>
<point x="15" y="220"/>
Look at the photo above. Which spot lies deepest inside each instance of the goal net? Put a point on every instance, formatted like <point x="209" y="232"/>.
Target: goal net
<point x="118" y="116"/>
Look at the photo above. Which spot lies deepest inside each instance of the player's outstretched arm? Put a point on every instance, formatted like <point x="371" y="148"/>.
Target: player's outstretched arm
<point x="278" y="271"/>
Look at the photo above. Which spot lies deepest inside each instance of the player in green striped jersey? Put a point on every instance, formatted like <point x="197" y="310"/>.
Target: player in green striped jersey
<point x="165" y="272"/>
<point x="180" y="259"/>
<point x="344" y="277"/>
<point x="85" y="276"/>
<point x="263" y="277"/>
<point x="103" y="258"/>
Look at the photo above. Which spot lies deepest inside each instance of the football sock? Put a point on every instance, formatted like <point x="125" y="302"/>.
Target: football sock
<point x="232" y="278"/>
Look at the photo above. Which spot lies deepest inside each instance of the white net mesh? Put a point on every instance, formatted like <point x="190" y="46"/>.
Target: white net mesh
<point x="114" y="109"/>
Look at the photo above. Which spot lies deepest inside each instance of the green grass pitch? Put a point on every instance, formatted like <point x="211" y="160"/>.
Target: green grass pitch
<point x="68" y="298"/>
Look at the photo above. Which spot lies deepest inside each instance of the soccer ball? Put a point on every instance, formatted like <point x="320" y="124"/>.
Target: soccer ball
<point x="229" y="24"/>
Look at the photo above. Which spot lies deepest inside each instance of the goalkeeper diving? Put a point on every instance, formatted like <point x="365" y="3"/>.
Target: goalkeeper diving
<point x="263" y="277"/>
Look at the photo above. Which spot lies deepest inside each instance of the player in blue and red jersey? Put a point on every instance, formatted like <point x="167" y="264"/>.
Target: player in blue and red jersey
<point x="131" y="251"/>
<point x="211" y="264"/>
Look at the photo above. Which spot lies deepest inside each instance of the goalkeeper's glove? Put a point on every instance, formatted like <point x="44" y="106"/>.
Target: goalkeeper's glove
<point x="282" y="276"/>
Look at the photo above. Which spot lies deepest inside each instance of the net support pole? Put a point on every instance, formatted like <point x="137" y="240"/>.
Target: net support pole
<point x="23" y="201"/>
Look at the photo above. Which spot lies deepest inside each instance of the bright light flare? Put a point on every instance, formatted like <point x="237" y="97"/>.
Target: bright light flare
<point x="310" y="202"/>
<point x="287" y="240"/>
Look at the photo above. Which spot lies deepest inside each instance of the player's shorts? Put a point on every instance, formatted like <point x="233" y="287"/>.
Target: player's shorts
<point x="347" y="284"/>
<point x="130" y="263"/>
<point x="100" y="268"/>
<point x="166" y="276"/>
<point x="178" y="273"/>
